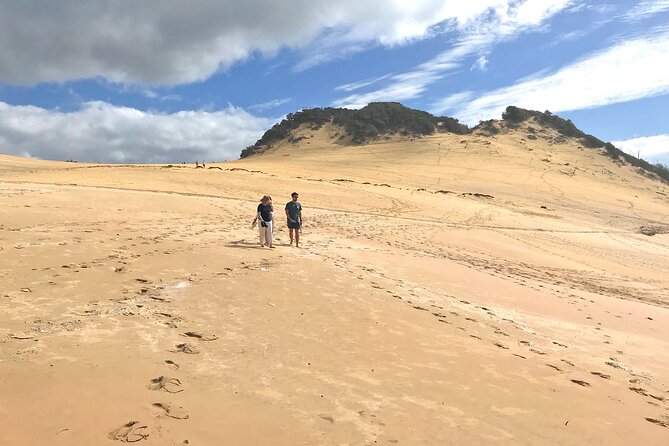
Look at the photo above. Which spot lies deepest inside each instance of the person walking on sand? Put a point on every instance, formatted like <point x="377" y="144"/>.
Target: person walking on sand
<point x="294" y="215"/>
<point x="265" y="218"/>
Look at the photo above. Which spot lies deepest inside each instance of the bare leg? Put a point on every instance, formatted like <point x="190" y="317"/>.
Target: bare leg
<point x="297" y="238"/>
<point x="290" y="231"/>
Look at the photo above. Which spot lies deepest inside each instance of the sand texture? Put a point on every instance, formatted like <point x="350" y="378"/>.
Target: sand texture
<point x="449" y="290"/>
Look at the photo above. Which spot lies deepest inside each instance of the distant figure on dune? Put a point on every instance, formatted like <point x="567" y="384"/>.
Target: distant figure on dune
<point x="265" y="218"/>
<point x="294" y="215"/>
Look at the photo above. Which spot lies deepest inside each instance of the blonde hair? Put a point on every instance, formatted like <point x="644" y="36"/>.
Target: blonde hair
<point x="267" y="199"/>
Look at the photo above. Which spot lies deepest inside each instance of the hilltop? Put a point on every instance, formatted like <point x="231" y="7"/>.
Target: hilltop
<point x="383" y="121"/>
<point x="358" y="126"/>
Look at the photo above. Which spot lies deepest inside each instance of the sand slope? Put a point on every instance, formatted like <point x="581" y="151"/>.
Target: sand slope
<point x="450" y="290"/>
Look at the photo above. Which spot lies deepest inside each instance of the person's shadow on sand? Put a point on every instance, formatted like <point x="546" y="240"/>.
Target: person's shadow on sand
<point x="244" y="244"/>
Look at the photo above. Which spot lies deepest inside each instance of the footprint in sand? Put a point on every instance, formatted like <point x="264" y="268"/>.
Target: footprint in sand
<point x="171" y="411"/>
<point x="185" y="348"/>
<point x="615" y="365"/>
<point x="581" y="383"/>
<point x="130" y="432"/>
<point x="644" y="392"/>
<point x="169" y="385"/>
<point x="658" y="422"/>
<point x="175" y="322"/>
<point x="326" y="417"/>
<point x="601" y="375"/>
<point x="201" y="336"/>
<point x="22" y="336"/>
<point x="171" y="364"/>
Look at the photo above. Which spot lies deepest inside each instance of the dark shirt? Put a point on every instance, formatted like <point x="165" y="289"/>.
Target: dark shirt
<point x="265" y="211"/>
<point x="294" y="208"/>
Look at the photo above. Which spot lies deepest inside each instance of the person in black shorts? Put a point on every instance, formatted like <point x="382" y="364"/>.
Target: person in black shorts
<point x="294" y="215"/>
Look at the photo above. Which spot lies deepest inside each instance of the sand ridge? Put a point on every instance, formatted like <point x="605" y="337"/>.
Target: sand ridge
<point x="444" y="294"/>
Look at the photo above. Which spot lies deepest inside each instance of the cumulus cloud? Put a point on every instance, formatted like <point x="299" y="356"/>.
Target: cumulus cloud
<point x="651" y="148"/>
<point x="103" y="132"/>
<point x="480" y="30"/>
<point x="168" y="42"/>
<point x="629" y="70"/>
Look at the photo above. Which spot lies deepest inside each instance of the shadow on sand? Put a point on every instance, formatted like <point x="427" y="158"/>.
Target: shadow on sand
<point x="243" y="244"/>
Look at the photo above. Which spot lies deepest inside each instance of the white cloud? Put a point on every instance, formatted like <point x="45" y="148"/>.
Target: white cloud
<point x="651" y="148"/>
<point x="167" y="42"/>
<point x="361" y="84"/>
<point x="103" y="132"/>
<point x="270" y="104"/>
<point x="404" y="86"/>
<point x="494" y="22"/>
<point x="480" y="64"/>
<point x="452" y="101"/>
<point x="630" y="70"/>
<point x="646" y="9"/>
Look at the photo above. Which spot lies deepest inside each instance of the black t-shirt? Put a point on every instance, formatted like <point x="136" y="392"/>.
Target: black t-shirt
<point x="265" y="211"/>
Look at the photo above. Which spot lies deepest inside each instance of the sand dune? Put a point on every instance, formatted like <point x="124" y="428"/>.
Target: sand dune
<point x="449" y="290"/>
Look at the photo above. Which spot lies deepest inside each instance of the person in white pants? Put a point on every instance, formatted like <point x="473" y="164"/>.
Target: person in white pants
<point x="265" y="218"/>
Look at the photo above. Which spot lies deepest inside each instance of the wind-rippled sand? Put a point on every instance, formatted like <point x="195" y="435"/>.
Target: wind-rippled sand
<point x="447" y="291"/>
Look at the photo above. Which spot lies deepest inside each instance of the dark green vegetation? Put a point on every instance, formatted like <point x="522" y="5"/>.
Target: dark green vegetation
<point x="376" y="119"/>
<point x="515" y="116"/>
<point x="382" y="118"/>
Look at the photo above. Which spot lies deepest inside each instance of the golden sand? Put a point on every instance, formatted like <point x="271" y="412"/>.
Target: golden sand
<point x="449" y="290"/>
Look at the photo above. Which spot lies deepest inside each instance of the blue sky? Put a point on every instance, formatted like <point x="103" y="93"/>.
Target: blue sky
<point x="172" y="81"/>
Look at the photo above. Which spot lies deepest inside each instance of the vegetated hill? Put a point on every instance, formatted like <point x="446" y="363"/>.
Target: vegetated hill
<point x="360" y="126"/>
<point x="514" y="116"/>
<point x="379" y="119"/>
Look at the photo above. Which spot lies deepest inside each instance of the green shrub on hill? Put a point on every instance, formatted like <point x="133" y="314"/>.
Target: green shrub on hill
<point x="516" y="115"/>
<point x="374" y="120"/>
<point x="658" y="169"/>
<point x="487" y="127"/>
